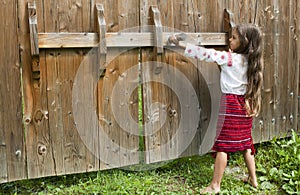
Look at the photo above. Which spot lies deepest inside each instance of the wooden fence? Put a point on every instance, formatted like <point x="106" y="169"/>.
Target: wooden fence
<point x="50" y="95"/>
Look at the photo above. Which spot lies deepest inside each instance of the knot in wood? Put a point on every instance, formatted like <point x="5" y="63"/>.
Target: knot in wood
<point x="27" y="120"/>
<point x="18" y="153"/>
<point x="42" y="149"/>
<point x="172" y="112"/>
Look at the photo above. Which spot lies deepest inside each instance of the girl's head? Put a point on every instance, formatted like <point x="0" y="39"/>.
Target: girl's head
<point x="246" y="39"/>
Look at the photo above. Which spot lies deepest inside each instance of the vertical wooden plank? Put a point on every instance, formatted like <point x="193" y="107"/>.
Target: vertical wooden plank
<point x="29" y="67"/>
<point x="64" y="150"/>
<point x="189" y="17"/>
<point x="155" y="99"/>
<point x="260" y="129"/>
<point x="283" y="125"/>
<point x="71" y="152"/>
<point x="209" y="14"/>
<point x="278" y="14"/>
<point x="128" y="62"/>
<point x="74" y="154"/>
<point x="120" y="148"/>
<point x="297" y="68"/>
<point x="38" y="143"/>
<point x="244" y="11"/>
<point x="40" y="159"/>
<point x="265" y="123"/>
<point x="293" y="67"/>
<point x="109" y="147"/>
<point x="204" y="16"/>
<point x="12" y="148"/>
<point x="71" y="15"/>
<point x="107" y="150"/>
<point x="111" y="9"/>
<point x="91" y="122"/>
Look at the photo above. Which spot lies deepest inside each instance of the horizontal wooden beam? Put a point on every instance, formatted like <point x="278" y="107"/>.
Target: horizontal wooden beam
<point x="85" y="40"/>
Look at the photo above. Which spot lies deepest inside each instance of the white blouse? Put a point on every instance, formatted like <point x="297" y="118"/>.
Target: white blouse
<point x="233" y="67"/>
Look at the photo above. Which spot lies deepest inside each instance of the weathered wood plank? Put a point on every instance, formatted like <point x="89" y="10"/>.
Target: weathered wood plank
<point x="109" y="148"/>
<point x="119" y="132"/>
<point x="264" y="121"/>
<point x="184" y="15"/>
<point x="187" y="16"/>
<point x="204" y="16"/>
<point x="260" y="124"/>
<point x="12" y="148"/>
<point x="283" y="125"/>
<point x="38" y="143"/>
<point x="26" y="61"/>
<point x="40" y="162"/>
<point x="276" y="30"/>
<point x="153" y="112"/>
<point x="81" y="40"/>
<point x="71" y="152"/>
<point x="293" y="69"/>
<point x="129" y="85"/>
<point x="241" y="10"/>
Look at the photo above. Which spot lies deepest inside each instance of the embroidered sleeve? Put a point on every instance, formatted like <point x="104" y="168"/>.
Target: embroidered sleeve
<point x="209" y="55"/>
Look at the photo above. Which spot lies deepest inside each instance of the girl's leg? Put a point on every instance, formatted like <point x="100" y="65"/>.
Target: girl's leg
<point x="219" y="168"/>
<point x="250" y="163"/>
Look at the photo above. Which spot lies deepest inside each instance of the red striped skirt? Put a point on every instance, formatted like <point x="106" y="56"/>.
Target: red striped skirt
<point x="234" y="127"/>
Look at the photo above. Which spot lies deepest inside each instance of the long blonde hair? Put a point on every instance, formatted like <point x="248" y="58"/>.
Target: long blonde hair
<point x="250" y="45"/>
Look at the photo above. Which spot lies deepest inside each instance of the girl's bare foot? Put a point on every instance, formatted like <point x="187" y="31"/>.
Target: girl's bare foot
<point x="252" y="182"/>
<point x="210" y="190"/>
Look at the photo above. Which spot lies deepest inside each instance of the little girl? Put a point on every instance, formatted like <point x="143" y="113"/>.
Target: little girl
<point x="241" y="81"/>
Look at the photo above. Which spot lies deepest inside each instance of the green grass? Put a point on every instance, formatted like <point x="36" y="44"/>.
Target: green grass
<point x="277" y="169"/>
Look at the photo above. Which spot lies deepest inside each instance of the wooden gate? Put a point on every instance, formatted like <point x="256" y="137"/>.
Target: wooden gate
<point x="81" y="116"/>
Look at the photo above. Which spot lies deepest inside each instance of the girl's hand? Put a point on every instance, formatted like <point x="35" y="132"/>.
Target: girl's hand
<point x="178" y="40"/>
<point x="173" y="40"/>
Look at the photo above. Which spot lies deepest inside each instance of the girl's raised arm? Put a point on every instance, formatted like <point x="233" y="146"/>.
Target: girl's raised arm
<point x="201" y="53"/>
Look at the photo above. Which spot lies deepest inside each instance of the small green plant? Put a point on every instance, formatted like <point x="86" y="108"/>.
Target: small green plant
<point x="279" y="164"/>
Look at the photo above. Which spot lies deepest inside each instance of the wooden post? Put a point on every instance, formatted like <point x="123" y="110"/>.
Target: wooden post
<point x="276" y="95"/>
